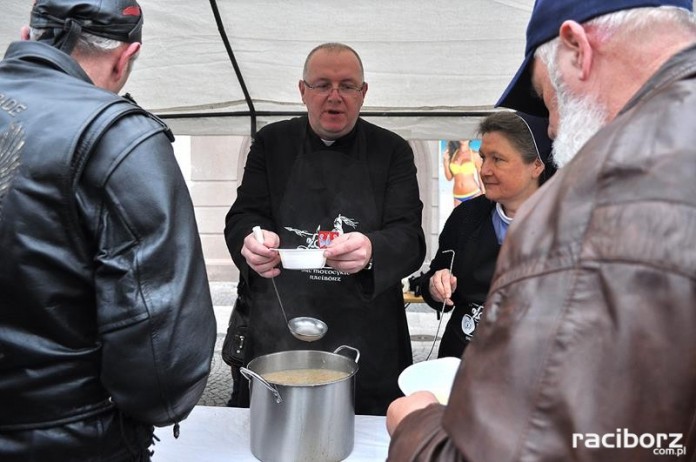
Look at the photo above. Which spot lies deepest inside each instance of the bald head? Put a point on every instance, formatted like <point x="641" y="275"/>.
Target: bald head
<point x="332" y="47"/>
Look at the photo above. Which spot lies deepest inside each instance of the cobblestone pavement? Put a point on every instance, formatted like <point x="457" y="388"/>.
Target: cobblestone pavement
<point x="219" y="387"/>
<point x="422" y="321"/>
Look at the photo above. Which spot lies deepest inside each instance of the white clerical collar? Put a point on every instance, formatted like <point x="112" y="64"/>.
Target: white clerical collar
<point x="328" y="142"/>
<point x="501" y="213"/>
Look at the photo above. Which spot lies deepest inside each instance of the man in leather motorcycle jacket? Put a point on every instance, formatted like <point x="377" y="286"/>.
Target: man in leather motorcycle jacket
<point x="106" y="321"/>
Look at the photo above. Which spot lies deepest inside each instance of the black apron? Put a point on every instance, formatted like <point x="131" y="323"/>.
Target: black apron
<point x="474" y="268"/>
<point x="329" y="190"/>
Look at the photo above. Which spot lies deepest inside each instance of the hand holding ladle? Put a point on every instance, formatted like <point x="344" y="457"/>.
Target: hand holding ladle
<point x="303" y="328"/>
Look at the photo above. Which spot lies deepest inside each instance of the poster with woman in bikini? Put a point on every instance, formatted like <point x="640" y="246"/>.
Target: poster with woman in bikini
<point x="460" y="164"/>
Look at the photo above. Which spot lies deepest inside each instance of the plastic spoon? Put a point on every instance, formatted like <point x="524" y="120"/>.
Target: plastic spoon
<point x="302" y="328"/>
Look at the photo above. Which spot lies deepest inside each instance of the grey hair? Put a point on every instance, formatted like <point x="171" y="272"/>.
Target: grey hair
<point x="639" y="18"/>
<point x="631" y="20"/>
<point x="609" y="25"/>
<point x="86" y="43"/>
<point x="334" y="47"/>
<point x="547" y="54"/>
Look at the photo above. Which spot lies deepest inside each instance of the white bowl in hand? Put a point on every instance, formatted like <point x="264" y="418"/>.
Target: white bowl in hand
<point x="302" y="258"/>
<point x="435" y="376"/>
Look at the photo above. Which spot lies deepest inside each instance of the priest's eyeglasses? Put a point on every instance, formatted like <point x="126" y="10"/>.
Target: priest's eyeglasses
<point x="344" y="89"/>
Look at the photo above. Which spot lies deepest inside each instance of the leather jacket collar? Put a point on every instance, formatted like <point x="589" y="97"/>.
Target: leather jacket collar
<point x="36" y="51"/>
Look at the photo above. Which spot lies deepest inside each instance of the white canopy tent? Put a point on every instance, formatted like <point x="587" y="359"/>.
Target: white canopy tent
<point x="433" y="68"/>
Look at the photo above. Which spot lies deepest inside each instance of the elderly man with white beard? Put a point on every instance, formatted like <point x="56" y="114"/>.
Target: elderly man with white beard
<point x="587" y="351"/>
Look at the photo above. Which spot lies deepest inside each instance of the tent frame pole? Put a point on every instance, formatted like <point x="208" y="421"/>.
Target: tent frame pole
<point x="230" y="53"/>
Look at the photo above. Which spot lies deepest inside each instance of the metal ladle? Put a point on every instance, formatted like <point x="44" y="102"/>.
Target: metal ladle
<point x="302" y="328"/>
<point x="442" y="308"/>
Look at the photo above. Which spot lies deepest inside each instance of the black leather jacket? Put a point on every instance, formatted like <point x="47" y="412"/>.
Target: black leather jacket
<point x="106" y="321"/>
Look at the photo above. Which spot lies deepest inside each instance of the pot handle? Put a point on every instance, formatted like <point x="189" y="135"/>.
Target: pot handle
<point x="355" y="350"/>
<point x="249" y="374"/>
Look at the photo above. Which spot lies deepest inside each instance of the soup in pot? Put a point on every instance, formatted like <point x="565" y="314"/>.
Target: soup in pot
<point x="305" y="376"/>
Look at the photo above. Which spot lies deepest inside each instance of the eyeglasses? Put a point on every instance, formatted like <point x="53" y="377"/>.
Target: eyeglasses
<point x="344" y="89"/>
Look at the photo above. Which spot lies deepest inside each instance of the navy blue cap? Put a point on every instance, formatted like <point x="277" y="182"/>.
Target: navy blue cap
<point x="120" y="20"/>
<point x="544" y="25"/>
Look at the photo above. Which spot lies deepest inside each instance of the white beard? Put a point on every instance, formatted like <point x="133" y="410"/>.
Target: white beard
<point x="578" y="120"/>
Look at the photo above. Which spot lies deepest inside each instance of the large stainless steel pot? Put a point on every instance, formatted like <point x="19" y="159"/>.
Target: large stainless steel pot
<point x="302" y="422"/>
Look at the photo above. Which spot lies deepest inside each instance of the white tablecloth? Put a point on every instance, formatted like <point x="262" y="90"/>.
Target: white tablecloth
<point x="212" y="434"/>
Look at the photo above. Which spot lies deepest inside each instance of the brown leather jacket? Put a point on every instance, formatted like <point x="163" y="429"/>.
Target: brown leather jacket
<point x="589" y="335"/>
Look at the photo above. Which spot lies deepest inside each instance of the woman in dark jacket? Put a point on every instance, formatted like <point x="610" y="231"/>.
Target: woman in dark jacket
<point x="516" y="161"/>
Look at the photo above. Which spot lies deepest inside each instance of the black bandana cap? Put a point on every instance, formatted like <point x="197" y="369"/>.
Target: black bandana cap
<point x="120" y="20"/>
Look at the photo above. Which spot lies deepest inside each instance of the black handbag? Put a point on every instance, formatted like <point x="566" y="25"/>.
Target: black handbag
<point x="237" y="334"/>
